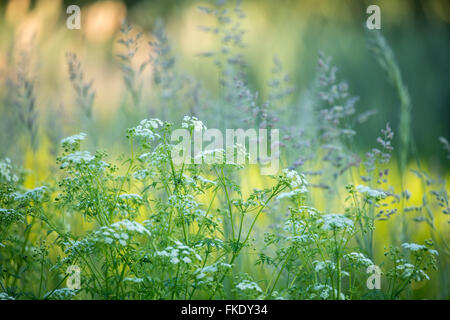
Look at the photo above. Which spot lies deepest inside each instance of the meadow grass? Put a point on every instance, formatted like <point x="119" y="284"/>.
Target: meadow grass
<point x="135" y="225"/>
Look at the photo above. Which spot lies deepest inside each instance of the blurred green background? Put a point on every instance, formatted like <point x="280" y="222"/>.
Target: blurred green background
<point x="294" y="31"/>
<point x="418" y="32"/>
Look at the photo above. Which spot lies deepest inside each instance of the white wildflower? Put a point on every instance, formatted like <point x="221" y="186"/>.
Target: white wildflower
<point x="155" y="123"/>
<point x="413" y="246"/>
<point x="192" y="122"/>
<point x="205" y="274"/>
<point x="135" y="280"/>
<point x="203" y="271"/>
<point x="335" y="222"/>
<point x="130" y="226"/>
<point x="293" y="193"/>
<point x="303" y="239"/>
<point x="146" y="129"/>
<point x="371" y="192"/>
<point x="247" y="285"/>
<point x="296" y="181"/>
<point x="323" y="265"/>
<point x="187" y="260"/>
<point x="173" y="253"/>
<point x="162" y="253"/>
<point x="324" y="291"/>
<point x="119" y="232"/>
<point x="6" y="171"/>
<point x="35" y="194"/>
<point x="130" y="196"/>
<point x="5" y="296"/>
<point x="408" y="270"/>
<point x="204" y="180"/>
<point x="418" y="247"/>
<point x="76" y="138"/>
<point x="61" y="294"/>
<point x="358" y="258"/>
<point x="77" y="157"/>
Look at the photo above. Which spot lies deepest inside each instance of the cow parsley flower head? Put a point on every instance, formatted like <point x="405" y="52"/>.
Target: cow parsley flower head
<point x="6" y="171"/>
<point x="146" y="129"/>
<point x="130" y="226"/>
<point x="130" y="196"/>
<point x="120" y="233"/>
<point x="154" y="123"/>
<point x="323" y="265"/>
<point x="323" y="291"/>
<point x="418" y="247"/>
<point x="304" y="239"/>
<point x="72" y="143"/>
<point x="187" y="260"/>
<point x="334" y="222"/>
<point x="5" y="296"/>
<point x="204" y="180"/>
<point x="371" y="192"/>
<point x="141" y="174"/>
<point x="295" y="179"/>
<point x="35" y="194"/>
<point x="408" y="270"/>
<point x="206" y="272"/>
<point x="414" y="246"/>
<point x="179" y="253"/>
<point x="358" y="258"/>
<point x="77" y="157"/>
<point x="202" y="272"/>
<point x="247" y="285"/>
<point x="190" y="122"/>
<point x="134" y="280"/>
<point x="76" y="138"/>
<point x="61" y="294"/>
<point x="293" y="193"/>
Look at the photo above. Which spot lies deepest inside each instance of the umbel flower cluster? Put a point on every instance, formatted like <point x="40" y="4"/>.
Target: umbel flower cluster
<point x="155" y="235"/>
